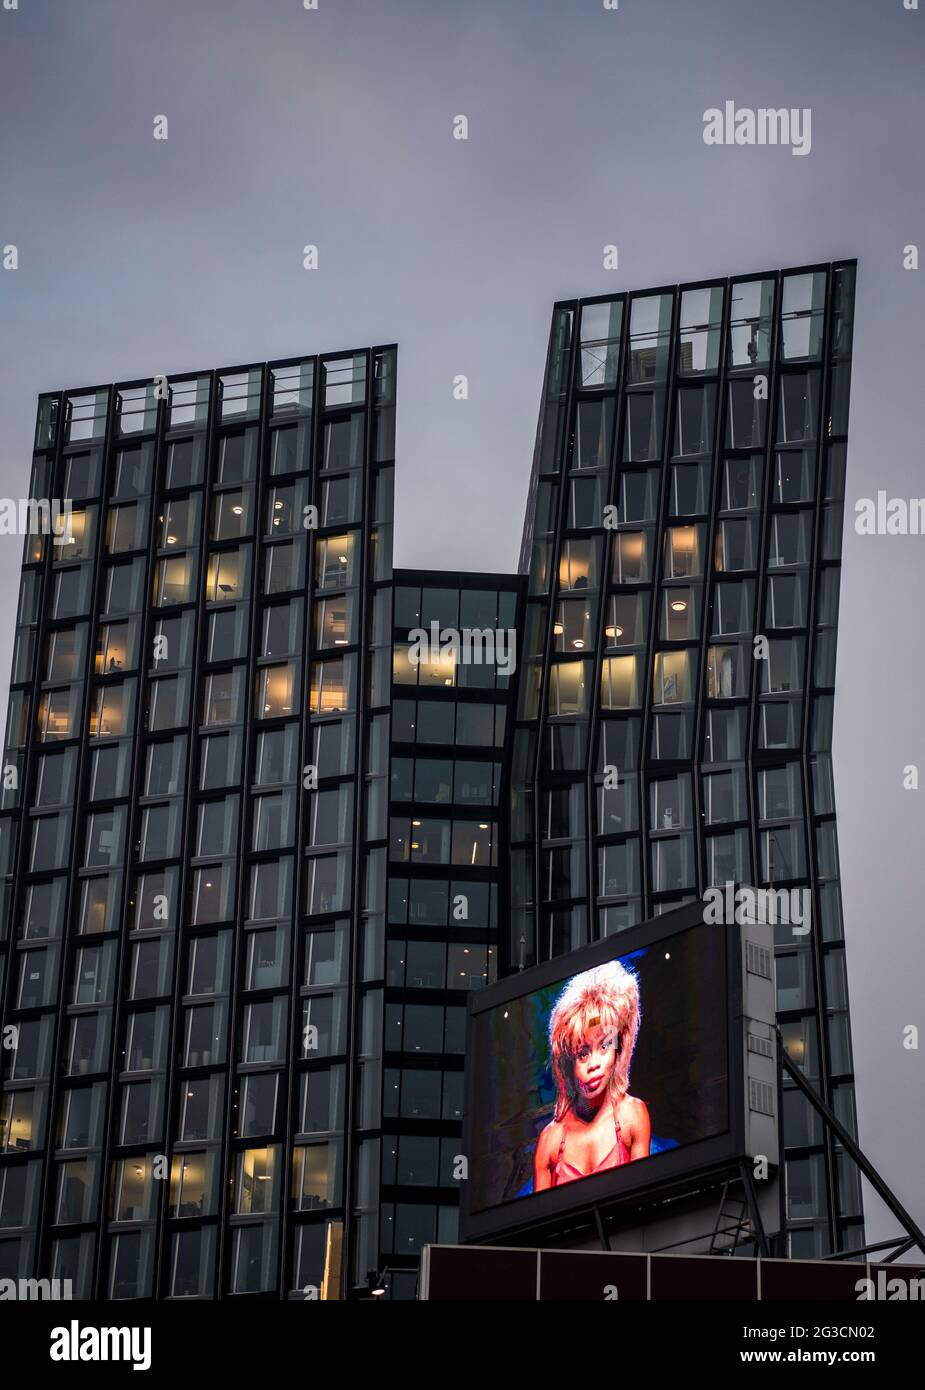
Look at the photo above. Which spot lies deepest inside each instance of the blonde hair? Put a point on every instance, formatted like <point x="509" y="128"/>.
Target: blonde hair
<point x="605" y="997"/>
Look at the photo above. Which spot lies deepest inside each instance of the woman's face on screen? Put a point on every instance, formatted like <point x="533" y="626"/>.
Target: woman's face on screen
<point x="594" y="1062"/>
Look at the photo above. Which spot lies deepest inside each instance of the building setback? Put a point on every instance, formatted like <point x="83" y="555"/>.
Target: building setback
<point x="254" y="852"/>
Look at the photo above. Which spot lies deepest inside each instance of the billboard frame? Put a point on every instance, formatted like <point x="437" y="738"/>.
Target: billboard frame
<point x="594" y="1195"/>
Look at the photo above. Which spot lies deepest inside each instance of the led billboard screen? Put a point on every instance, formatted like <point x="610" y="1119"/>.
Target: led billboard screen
<point x="596" y="1072"/>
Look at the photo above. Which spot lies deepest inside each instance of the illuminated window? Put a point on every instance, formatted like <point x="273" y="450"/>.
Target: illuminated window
<point x="335" y="561"/>
<point x="226" y="580"/>
<point x="111" y="710"/>
<point x="173" y="580"/>
<point x="331" y="686"/>
<point x="631" y="557"/>
<point x="276" y="688"/>
<point x="683" y="552"/>
<point x="671" y="681"/>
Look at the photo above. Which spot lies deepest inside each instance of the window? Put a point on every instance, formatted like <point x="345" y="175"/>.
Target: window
<point x="227" y="576"/>
<point x="201" y="1107"/>
<point x="335" y="558"/>
<point x="228" y="631"/>
<point x="343" y="442"/>
<point x="273" y="825"/>
<point x="327" y="883"/>
<point x="220" y="761"/>
<point x="284" y="514"/>
<point x="105" y="837"/>
<point x="149" y="973"/>
<point x="165" y="767"/>
<point x="284" y="567"/>
<point x="673" y="677"/>
<point x="237" y="459"/>
<point x="146" y="1035"/>
<point x="331" y="816"/>
<point x="222" y="703"/>
<point x="257" y="1178"/>
<point x="747" y="418"/>
<point x="724" y="797"/>
<point x="168" y="702"/>
<point x="132" y="475"/>
<point x="78" y="1191"/>
<point x="133" y="1191"/>
<point x="270" y="890"/>
<point x="277" y="687"/>
<point x="578" y="565"/>
<point x="282" y="629"/>
<point x="680" y="617"/>
<point x="212" y="894"/>
<point x="93" y="972"/>
<point x="332" y="686"/>
<point x="733" y="606"/>
<point x="116" y="647"/>
<point x="178" y="523"/>
<point x="192" y="1264"/>
<point x="600" y="343"/>
<point x="217" y="827"/>
<point x="231" y="514"/>
<point x="65" y="654"/>
<point x="126" y="527"/>
<point x="209" y="964"/>
<point x="696" y="407"/>
<point x="266" y="959"/>
<point x="728" y="672"/>
<point x="57" y="714"/>
<point x="204" y="1035"/>
<point x="194" y="1183"/>
<point x="99" y="903"/>
<point x="155" y="899"/>
<point x="335" y="621"/>
<point x="172" y="643"/>
<point x="264" y="1031"/>
<point x="80" y="1121"/>
<point x="683" y="547"/>
<point x="173" y="580"/>
<point x="253" y="1258"/>
<point x="326" y="956"/>
<point x="275" y="760"/>
<point x="111" y="710"/>
<point x="258" y="1104"/>
<point x="185" y="456"/>
<point x="631" y="557"/>
<point x="735" y="546"/>
<point x="569" y="687"/>
<point x="620" y="682"/>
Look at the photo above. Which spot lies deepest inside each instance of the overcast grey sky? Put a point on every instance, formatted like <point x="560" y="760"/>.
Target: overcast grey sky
<point x="333" y="127"/>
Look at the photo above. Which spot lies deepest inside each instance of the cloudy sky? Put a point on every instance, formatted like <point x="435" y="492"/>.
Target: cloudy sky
<point x="333" y="127"/>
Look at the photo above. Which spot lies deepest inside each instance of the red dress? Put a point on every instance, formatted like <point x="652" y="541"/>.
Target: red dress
<point x="564" y="1171"/>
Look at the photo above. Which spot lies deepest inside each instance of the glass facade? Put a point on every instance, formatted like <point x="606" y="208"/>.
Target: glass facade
<point x="451" y="722"/>
<point x="257" y="846"/>
<point x="686" y="503"/>
<point x="191" y="900"/>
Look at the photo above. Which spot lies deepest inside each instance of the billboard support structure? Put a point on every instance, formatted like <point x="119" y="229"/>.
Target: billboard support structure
<point x="753" y="1227"/>
<point x="913" y="1234"/>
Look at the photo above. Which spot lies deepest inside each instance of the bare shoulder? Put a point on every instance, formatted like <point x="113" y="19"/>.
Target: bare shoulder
<point x="632" y="1110"/>
<point x="549" y="1137"/>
